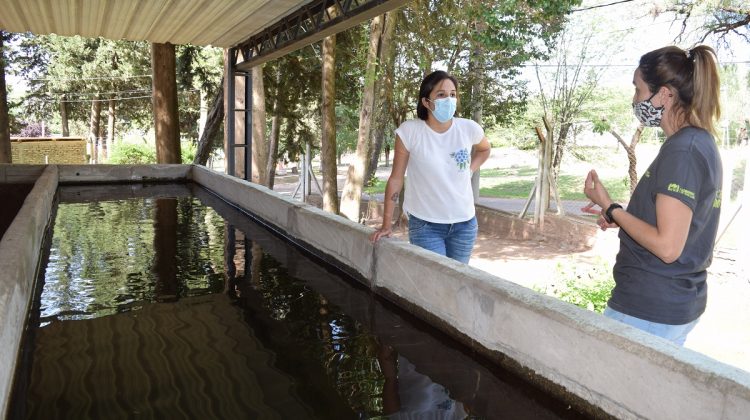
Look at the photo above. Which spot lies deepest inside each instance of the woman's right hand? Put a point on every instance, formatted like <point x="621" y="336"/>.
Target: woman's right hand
<point x="380" y="233"/>
<point x="595" y="191"/>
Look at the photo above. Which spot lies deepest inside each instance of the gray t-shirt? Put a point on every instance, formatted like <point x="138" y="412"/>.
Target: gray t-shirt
<point x="688" y="168"/>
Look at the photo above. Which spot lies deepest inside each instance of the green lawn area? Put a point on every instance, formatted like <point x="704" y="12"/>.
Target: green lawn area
<point x="518" y="182"/>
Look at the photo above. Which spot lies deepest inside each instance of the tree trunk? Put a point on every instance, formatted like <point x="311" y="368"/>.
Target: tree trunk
<point x="5" y="152"/>
<point x="166" y="113"/>
<point x="559" y="145"/>
<point x="630" y="149"/>
<point x="355" y="177"/>
<point x="328" y="140"/>
<point x="110" y="128"/>
<point x="96" y="109"/>
<point x="476" y="71"/>
<point x="384" y="87"/>
<point x="203" y="117"/>
<point x="260" y="143"/>
<point x="213" y="122"/>
<point x="273" y="144"/>
<point x="64" y="116"/>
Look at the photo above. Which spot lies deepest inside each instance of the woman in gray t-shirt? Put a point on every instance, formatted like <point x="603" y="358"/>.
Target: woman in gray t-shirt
<point x="668" y="231"/>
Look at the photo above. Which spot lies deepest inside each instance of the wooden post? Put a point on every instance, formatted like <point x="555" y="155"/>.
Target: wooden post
<point x="546" y="172"/>
<point x="164" y="97"/>
<point x="96" y="108"/>
<point x="540" y="173"/>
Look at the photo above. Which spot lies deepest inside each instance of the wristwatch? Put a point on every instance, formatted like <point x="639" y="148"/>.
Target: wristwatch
<point x="610" y="209"/>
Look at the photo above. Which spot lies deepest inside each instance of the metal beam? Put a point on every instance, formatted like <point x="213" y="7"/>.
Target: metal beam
<point x="308" y="25"/>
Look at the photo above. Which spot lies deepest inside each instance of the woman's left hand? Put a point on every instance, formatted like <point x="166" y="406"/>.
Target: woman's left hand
<point x="601" y="221"/>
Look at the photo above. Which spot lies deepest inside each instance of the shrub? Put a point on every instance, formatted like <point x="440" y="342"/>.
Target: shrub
<point x="131" y="154"/>
<point x="586" y="286"/>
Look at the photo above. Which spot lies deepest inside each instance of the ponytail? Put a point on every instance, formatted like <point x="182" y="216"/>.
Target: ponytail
<point x="705" y="108"/>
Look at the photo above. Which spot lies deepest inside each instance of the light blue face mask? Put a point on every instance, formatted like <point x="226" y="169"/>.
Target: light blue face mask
<point x="444" y="109"/>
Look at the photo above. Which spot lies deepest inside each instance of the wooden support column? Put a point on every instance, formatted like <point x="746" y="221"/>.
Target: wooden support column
<point x="166" y="116"/>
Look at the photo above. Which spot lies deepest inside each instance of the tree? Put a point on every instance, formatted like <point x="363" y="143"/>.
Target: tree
<point x="5" y="152"/>
<point x="355" y="178"/>
<point x="328" y="138"/>
<point x="384" y="88"/>
<point x="571" y="90"/>
<point x="718" y="18"/>
<point x="166" y="114"/>
<point x="209" y="135"/>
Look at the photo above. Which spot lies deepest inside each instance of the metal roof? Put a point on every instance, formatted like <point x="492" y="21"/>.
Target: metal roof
<point x="220" y="23"/>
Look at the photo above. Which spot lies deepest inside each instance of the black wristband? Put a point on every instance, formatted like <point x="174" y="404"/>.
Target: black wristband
<point x="610" y="209"/>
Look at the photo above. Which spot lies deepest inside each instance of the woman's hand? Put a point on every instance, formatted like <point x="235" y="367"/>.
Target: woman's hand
<point x="599" y="196"/>
<point x="601" y="221"/>
<point x="595" y="191"/>
<point x="383" y="232"/>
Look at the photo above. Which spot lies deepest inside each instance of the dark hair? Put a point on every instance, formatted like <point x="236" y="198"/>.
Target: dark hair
<point x="693" y="74"/>
<point x="428" y="84"/>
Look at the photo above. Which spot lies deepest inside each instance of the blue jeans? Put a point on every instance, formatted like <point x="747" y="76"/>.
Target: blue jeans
<point x="453" y="240"/>
<point x="674" y="333"/>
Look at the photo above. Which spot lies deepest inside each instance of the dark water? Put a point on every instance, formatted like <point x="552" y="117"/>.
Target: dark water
<point x="164" y="302"/>
<point x="12" y="196"/>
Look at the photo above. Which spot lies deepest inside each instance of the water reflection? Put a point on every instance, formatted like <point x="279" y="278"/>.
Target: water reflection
<point x="110" y="257"/>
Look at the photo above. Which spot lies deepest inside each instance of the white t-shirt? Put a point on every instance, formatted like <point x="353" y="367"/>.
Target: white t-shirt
<point x="438" y="181"/>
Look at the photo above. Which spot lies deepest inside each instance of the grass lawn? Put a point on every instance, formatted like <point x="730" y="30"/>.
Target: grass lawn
<point x="518" y="182"/>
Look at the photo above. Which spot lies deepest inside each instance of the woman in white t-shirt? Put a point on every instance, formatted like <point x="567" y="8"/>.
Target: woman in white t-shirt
<point x="440" y="152"/>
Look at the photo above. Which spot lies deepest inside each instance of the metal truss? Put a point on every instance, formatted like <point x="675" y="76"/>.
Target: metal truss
<point x="311" y="23"/>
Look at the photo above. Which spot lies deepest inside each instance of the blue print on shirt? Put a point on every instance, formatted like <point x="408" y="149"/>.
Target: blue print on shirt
<point x="462" y="158"/>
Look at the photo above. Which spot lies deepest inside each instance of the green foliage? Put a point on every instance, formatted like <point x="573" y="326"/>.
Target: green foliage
<point x="132" y="154"/>
<point x="187" y="150"/>
<point x="585" y="286"/>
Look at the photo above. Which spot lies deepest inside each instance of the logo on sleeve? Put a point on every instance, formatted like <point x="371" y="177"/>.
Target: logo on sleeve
<point x="462" y="158"/>
<point x="679" y="190"/>
<point x="717" y="200"/>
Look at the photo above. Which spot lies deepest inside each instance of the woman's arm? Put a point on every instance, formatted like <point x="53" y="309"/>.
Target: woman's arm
<point x="392" y="189"/>
<point x="667" y="239"/>
<point x="479" y="154"/>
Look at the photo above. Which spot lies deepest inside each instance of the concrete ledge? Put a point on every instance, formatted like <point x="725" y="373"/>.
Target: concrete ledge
<point x="340" y="238"/>
<point x="626" y="372"/>
<point x="122" y="173"/>
<point x="19" y="256"/>
<point x="261" y="201"/>
<point x="20" y="174"/>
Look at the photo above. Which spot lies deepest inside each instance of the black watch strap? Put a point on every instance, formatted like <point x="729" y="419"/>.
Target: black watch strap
<point x="610" y="209"/>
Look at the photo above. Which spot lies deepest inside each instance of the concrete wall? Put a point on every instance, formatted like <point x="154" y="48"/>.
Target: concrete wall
<point x="625" y="372"/>
<point x="48" y="150"/>
<point x="19" y="256"/>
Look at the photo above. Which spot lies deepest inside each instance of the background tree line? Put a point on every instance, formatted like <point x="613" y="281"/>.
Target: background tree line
<point x="349" y="92"/>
